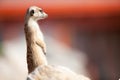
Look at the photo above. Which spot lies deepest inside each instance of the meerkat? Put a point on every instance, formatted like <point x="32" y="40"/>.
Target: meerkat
<point x="36" y="47"/>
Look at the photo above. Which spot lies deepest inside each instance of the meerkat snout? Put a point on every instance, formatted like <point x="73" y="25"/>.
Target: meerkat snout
<point x="36" y="13"/>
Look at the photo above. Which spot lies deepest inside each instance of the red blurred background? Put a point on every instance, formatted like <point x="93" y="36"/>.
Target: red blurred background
<point x="90" y="26"/>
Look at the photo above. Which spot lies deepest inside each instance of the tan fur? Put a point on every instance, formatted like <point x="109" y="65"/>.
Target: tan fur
<point x="35" y="43"/>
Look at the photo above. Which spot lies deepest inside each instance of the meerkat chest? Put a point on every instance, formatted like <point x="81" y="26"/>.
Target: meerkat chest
<point x="37" y="33"/>
<point x="40" y="35"/>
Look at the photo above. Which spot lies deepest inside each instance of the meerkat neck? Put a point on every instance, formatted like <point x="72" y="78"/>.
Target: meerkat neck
<point x="32" y="23"/>
<point x="35" y="26"/>
<point x="35" y="54"/>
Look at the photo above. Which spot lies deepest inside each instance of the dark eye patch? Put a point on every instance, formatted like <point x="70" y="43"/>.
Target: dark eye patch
<point x="31" y="12"/>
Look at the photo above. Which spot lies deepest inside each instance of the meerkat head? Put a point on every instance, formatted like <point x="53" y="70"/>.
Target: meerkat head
<point x="35" y="13"/>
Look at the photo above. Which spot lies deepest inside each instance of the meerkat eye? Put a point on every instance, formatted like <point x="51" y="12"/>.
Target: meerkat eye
<point x="31" y="12"/>
<point x="41" y="11"/>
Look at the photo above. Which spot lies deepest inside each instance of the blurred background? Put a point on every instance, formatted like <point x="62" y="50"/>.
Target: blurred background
<point x="83" y="35"/>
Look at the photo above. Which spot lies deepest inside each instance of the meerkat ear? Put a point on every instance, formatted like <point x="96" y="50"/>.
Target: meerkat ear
<point x="31" y="12"/>
<point x="27" y="11"/>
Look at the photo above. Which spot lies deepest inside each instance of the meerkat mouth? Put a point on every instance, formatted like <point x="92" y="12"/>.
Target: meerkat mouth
<point x="44" y="16"/>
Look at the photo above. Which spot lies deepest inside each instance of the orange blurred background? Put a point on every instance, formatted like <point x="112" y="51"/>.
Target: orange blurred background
<point x="89" y="26"/>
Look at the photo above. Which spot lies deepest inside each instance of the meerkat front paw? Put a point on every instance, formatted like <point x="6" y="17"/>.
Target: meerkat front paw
<point x="42" y="45"/>
<point x="44" y="48"/>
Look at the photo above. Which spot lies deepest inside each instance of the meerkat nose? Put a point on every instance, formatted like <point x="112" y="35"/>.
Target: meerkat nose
<point x="46" y="15"/>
